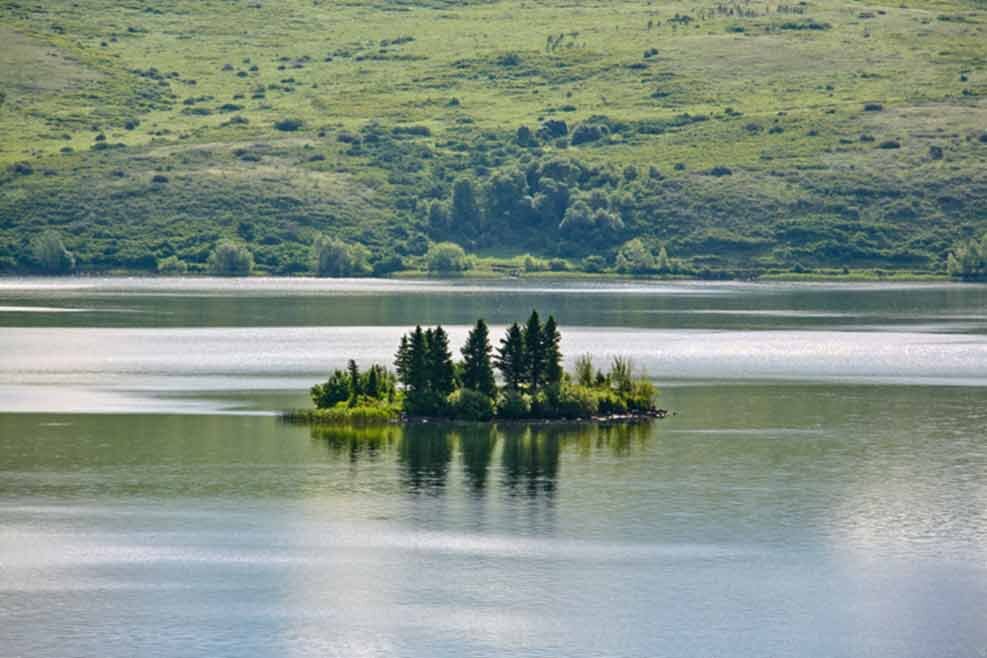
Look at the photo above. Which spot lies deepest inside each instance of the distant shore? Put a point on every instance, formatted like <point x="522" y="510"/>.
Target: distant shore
<point x="853" y="276"/>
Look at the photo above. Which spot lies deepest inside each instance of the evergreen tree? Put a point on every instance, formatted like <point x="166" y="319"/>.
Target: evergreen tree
<point x="412" y="366"/>
<point x="551" y="340"/>
<point x="477" y="371"/>
<point x="356" y="387"/>
<point x="534" y="353"/>
<point x="510" y="357"/>
<point x="402" y="359"/>
<point x="441" y="372"/>
<point x="373" y="383"/>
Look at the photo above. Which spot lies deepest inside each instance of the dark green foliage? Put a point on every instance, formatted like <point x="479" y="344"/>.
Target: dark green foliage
<point x="512" y="404"/>
<point x="553" y="129"/>
<point x="511" y="359"/>
<point x="425" y="369"/>
<point x="524" y="137"/>
<point x="585" y="133"/>
<point x="534" y="353"/>
<point x="413" y="370"/>
<point x="552" y="348"/>
<point x="355" y="388"/>
<point x="355" y="382"/>
<point x="477" y="372"/>
<point x="441" y="373"/>
<point x="464" y="213"/>
<point x="335" y="390"/>
<point x="288" y="125"/>
<point x="468" y="404"/>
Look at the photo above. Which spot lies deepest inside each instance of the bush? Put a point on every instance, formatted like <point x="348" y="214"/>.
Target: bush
<point x="172" y="265"/>
<point x="513" y="405"/>
<point x="585" y="133"/>
<point x="231" y="259"/>
<point x="50" y="254"/>
<point x="388" y="265"/>
<point x="335" y="258"/>
<point x="467" y="404"/>
<point x="890" y="144"/>
<point x="289" y="125"/>
<point x="610" y="402"/>
<point x="533" y="264"/>
<point x="593" y="264"/>
<point x="525" y="137"/>
<point x="446" y="257"/>
<point x="576" y="402"/>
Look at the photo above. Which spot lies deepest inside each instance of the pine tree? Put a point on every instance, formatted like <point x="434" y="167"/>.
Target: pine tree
<point x="356" y="388"/>
<point x="411" y="363"/>
<point x="442" y="373"/>
<point x="551" y="340"/>
<point x="534" y="352"/>
<point x="510" y="357"/>
<point x="477" y="370"/>
<point x="374" y="381"/>
<point x="402" y="358"/>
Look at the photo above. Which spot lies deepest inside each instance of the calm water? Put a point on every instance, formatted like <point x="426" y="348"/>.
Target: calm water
<point x="820" y="492"/>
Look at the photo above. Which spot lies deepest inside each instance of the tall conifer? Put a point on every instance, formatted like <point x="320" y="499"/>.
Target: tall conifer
<point x="442" y="373"/>
<point x="510" y="357"/>
<point x="477" y="370"/>
<point x="534" y="352"/>
<point x="551" y="340"/>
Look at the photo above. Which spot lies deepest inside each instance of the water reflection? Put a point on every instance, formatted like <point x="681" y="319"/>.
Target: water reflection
<point x="527" y="457"/>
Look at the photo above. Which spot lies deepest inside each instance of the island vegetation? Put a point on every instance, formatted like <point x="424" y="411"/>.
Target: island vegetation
<point x="427" y="383"/>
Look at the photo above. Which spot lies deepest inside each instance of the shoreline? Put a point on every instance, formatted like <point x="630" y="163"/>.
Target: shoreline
<point x="312" y="417"/>
<point x="854" y="276"/>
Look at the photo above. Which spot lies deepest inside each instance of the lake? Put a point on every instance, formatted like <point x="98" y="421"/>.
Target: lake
<point x="820" y="491"/>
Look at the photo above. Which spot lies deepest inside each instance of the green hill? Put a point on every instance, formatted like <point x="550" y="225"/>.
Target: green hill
<point x="742" y="137"/>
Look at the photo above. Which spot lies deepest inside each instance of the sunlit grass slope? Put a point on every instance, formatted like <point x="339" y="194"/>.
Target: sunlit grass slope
<point x="758" y="134"/>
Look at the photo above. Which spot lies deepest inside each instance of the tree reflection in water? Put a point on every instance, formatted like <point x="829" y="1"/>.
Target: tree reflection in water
<point x="529" y="460"/>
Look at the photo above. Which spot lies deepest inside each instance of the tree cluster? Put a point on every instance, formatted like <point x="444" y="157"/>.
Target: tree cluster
<point x="968" y="260"/>
<point x="428" y="382"/>
<point x="353" y="387"/>
<point x="554" y="201"/>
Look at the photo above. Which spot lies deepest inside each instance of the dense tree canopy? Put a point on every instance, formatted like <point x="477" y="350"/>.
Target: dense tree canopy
<point x="231" y="259"/>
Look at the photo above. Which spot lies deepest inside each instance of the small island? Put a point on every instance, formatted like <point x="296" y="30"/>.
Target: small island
<point x="427" y="384"/>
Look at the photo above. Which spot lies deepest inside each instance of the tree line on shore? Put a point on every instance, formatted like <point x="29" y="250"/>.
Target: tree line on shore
<point x="428" y="382"/>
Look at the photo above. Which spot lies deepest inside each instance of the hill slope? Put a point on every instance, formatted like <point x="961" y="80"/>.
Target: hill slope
<point x="741" y="136"/>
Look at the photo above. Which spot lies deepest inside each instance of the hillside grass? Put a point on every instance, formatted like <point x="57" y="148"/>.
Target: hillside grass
<point x="140" y="130"/>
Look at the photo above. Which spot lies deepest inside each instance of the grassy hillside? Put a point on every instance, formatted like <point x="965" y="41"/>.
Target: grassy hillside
<point x="746" y="136"/>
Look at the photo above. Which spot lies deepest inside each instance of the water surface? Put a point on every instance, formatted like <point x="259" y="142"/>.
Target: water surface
<point x="820" y="492"/>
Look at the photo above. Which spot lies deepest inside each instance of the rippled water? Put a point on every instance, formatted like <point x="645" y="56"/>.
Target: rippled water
<point x="820" y="492"/>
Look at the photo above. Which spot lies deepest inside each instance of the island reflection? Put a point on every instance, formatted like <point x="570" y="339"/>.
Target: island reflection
<point x="528" y="455"/>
